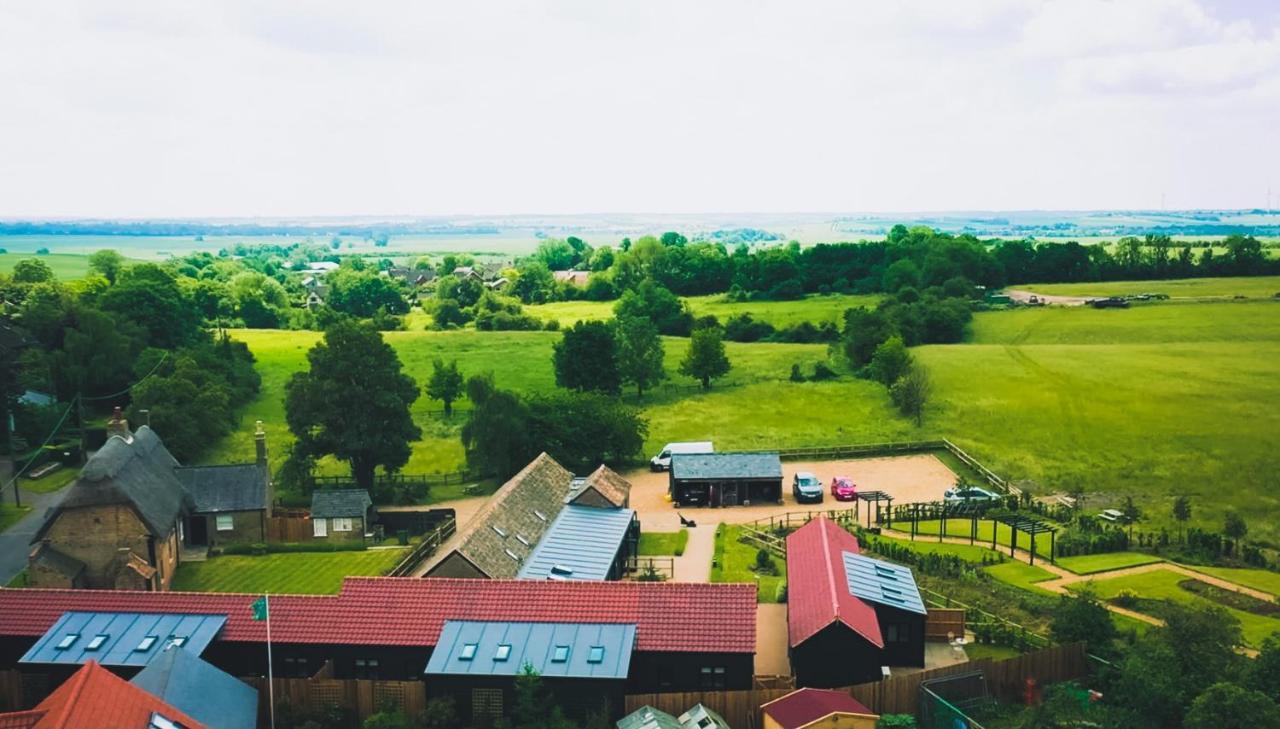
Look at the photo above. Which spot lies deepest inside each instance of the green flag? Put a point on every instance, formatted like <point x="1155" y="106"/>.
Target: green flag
<point x="260" y="608"/>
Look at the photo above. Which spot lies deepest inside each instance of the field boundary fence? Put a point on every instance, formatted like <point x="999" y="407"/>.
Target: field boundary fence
<point x="427" y="547"/>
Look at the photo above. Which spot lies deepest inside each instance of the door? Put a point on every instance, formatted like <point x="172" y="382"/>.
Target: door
<point x="730" y="494"/>
<point x="319" y="527"/>
<point x="197" y="531"/>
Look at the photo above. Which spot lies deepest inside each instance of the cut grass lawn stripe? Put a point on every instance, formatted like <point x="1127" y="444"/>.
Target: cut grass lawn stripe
<point x="300" y="573"/>
<point x="1088" y="564"/>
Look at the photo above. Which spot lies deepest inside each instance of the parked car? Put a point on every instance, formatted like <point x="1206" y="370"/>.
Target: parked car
<point x="969" y="493"/>
<point x="1112" y="515"/>
<point x="843" y="488"/>
<point x="1113" y="302"/>
<point x="806" y="487"/>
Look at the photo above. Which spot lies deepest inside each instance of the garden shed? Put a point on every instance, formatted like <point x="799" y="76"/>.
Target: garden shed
<point x="725" y="479"/>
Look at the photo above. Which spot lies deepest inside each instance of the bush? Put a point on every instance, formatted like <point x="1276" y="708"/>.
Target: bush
<point x="764" y="563"/>
<point x="780" y="595"/>
<point x="552" y="325"/>
<point x="822" y="372"/>
<point x="796" y="374"/>
<point x="896" y="721"/>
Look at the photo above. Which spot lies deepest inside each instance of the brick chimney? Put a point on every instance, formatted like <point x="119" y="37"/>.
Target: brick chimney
<point x="260" y="446"/>
<point x="118" y="425"/>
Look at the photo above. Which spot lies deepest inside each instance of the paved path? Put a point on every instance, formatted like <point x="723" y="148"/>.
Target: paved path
<point x="771" y="640"/>
<point x="15" y="542"/>
<point x="695" y="564"/>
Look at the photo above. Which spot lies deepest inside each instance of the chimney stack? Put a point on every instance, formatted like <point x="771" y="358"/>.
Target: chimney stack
<point x="118" y="425"/>
<point x="260" y="443"/>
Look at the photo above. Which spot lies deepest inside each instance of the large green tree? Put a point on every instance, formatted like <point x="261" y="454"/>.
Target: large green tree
<point x="652" y="301"/>
<point x="353" y="402"/>
<point x="1228" y="706"/>
<point x="640" y="353"/>
<point x="864" y="331"/>
<point x="446" y="384"/>
<point x="107" y="262"/>
<point x="150" y="296"/>
<point x="706" y="358"/>
<point x="890" y="361"/>
<point x="495" y="436"/>
<point x="1084" y="619"/>
<point x="586" y="358"/>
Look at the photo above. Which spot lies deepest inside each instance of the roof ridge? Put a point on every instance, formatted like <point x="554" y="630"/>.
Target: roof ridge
<point x="831" y="578"/>
<point x="81" y="679"/>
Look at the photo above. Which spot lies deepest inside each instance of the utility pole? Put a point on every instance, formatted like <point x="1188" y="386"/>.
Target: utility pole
<point x="13" y="456"/>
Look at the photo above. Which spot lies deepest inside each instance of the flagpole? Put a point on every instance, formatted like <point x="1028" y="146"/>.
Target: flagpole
<point x="271" y="687"/>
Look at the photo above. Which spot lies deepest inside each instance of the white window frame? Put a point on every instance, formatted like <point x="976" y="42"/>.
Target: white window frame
<point x="342" y="523"/>
<point x="320" y="527"/>
<point x="228" y="525"/>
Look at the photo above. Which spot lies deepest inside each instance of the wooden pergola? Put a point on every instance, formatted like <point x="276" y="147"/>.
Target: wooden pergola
<point x="877" y="497"/>
<point x="941" y="511"/>
<point x="1032" y="526"/>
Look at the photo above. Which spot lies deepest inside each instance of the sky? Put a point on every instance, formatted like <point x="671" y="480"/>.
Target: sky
<point x="241" y="108"/>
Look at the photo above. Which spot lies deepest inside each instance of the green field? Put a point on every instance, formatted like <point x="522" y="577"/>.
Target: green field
<point x="1153" y="401"/>
<point x="299" y="573"/>
<point x="1250" y="286"/>
<point x="663" y="543"/>
<point x="1163" y="585"/>
<point x="1264" y="580"/>
<point x="1020" y="574"/>
<point x="815" y="309"/>
<point x="1088" y="564"/>
<point x="65" y="266"/>
<point x="733" y="562"/>
<point x="51" y="482"/>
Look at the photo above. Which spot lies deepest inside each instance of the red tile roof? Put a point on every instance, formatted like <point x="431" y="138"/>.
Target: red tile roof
<point x="817" y="589"/>
<point x="95" y="698"/>
<point x="800" y="708"/>
<point x="670" y="616"/>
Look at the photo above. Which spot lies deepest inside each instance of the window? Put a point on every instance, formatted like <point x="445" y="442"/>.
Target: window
<point x="520" y="538"/>
<point x="563" y="571"/>
<point x="160" y="722"/>
<point x="146" y="643"/>
<point x="342" y="525"/>
<point x="177" y="641"/>
<point x="498" y="530"/>
<point x="540" y="515"/>
<point x="503" y="652"/>
<point x="367" y="667"/>
<point x="67" y="641"/>
<point x="97" y="642"/>
<point x="225" y="523"/>
<point x="897" y="633"/>
<point x="468" y="651"/>
<point x="297" y="668"/>
<point x="711" y="677"/>
<point x="320" y="527"/>
<point x="596" y="654"/>
<point x="486" y="705"/>
<point x="561" y="654"/>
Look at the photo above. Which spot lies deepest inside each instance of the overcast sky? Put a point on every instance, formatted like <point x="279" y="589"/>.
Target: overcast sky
<point x="247" y="108"/>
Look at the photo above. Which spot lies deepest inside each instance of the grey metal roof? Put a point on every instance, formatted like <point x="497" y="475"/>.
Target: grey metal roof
<point x="329" y="503"/>
<point x="647" y="717"/>
<point x="580" y="545"/>
<point x="535" y="644"/>
<point x="137" y="471"/>
<point x="200" y="690"/>
<point x="882" y="582"/>
<point x="239" y="487"/>
<point x="124" y="633"/>
<point x="700" y="717"/>
<point x="704" y="466"/>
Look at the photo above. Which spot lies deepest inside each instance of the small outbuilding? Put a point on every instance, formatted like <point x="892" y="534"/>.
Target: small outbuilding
<point x="725" y="479"/>
<point x="200" y="690"/>
<point x="341" y="515"/>
<point x="810" y="708"/>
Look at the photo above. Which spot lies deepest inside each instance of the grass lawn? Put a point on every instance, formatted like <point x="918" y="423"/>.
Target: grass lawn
<point x="1251" y="286"/>
<point x="53" y="481"/>
<point x="733" y="562"/>
<point x="815" y="309"/>
<point x="1264" y="580"/>
<point x="963" y="551"/>
<point x="663" y="543"/>
<point x="976" y="651"/>
<point x="10" y="515"/>
<point x="1020" y="574"/>
<point x="65" y="266"/>
<point x="1163" y="585"/>
<point x="1054" y="396"/>
<point x="1088" y="564"/>
<point x="306" y="573"/>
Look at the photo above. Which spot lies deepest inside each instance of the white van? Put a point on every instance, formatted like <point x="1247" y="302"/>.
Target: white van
<point x="662" y="461"/>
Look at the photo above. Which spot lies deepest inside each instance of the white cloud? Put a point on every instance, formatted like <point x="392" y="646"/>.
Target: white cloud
<point x="144" y="108"/>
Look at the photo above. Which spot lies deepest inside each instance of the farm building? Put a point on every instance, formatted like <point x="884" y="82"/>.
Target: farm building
<point x="93" y="698"/>
<point x="341" y="515"/>
<point x="848" y="615"/>
<point x="389" y="628"/>
<point x="810" y="708"/>
<point x="725" y="479"/>
<point x="230" y="504"/>
<point x="544" y="502"/>
<point x="585" y="665"/>
<point x="198" y="689"/>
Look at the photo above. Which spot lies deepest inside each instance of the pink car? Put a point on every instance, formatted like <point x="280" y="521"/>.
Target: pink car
<point x="843" y="488"/>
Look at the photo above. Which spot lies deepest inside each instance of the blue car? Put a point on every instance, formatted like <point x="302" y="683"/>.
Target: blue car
<point x="806" y="487"/>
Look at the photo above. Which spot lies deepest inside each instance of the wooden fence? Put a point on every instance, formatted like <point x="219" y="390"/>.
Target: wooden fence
<point x="360" y="698"/>
<point x="11" y="698"/>
<point x="430" y="543"/>
<point x="895" y="695"/>
<point x="944" y="623"/>
<point x="291" y="529"/>
<point x="639" y="566"/>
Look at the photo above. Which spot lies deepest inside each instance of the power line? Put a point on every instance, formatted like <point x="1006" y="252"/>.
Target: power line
<point x="130" y="387"/>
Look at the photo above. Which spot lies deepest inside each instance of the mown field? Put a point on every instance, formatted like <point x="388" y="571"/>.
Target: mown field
<point x="297" y="573"/>
<point x="815" y="309"/>
<point x="1250" y="286"/>
<point x="65" y="266"/>
<point x="1152" y="401"/>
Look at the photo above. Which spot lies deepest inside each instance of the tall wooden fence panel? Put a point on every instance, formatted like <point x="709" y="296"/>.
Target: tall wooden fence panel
<point x="944" y="623"/>
<point x="11" y="691"/>
<point x="360" y="698"/>
<point x="291" y="529"/>
<point x="895" y="695"/>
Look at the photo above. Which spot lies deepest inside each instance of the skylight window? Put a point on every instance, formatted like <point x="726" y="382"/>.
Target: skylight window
<point x="160" y="722"/>
<point x="176" y="641"/>
<point x="520" y="538"/>
<point x="561" y="570"/>
<point x="468" y="651"/>
<point x="503" y="652"/>
<point x="146" y="643"/>
<point x="498" y="530"/>
<point x="96" y="642"/>
<point x="512" y="555"/>
<point x="596" y="655"/>
<point x="561" y="654"/>
<point x="67" y="641"/>
<point x="540" y="515"/>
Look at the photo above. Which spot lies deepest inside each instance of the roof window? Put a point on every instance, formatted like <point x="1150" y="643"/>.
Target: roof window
<point x="67" y="641"/>
<point x="468" y="651"/>
<point x="561" y="570"/>
<point x="176" y="641"/>
<point x="540" y="515"/>
<point x="512" y="555"/>
<point x="596" y="655"/>
<point x="560" y="654"/>
<point x="498" y="530"/>
<point x="520" y="538"/>
<point x="160" y="722"/>
<point x="146" y="643"/>
<point x="503" y="652"/>
<point x="96" y="642"/>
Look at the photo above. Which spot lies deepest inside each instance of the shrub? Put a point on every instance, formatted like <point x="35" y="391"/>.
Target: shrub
<point x="896" y="721"/>
<point x="796" y="374"/>
<point x="780" y="595"/>
<point x="822" y="372"/>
